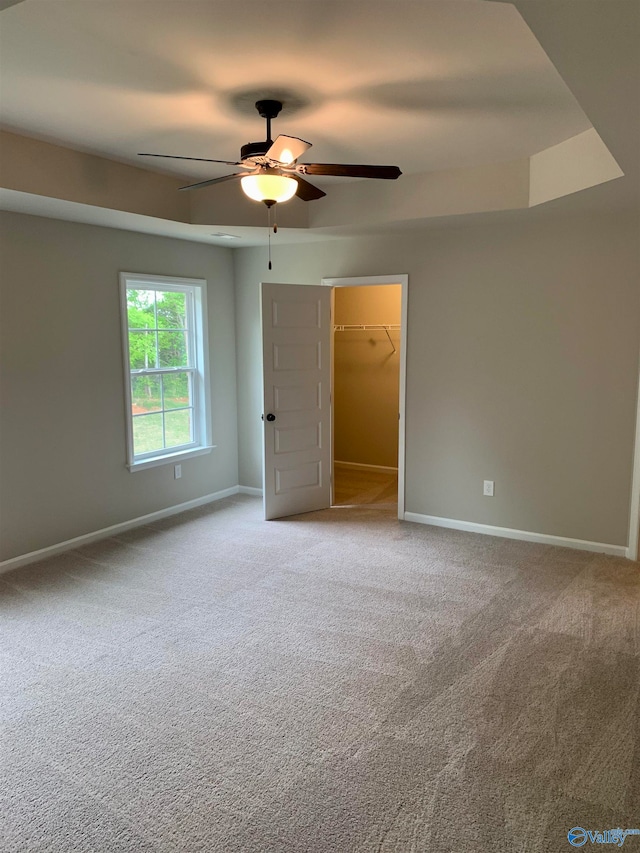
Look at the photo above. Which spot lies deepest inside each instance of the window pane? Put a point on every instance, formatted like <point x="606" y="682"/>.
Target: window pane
<point x="176" y="390"/>
<point x="177" y="427"/>
<point x="147" y="433"/>
<point x="172" y="310"/>
<point x="142" y="350"/>
<point x="141" y="309"/>
<point x="172" y="349"/>
<point x="165" y="332"/>
<point x="145" y="394"/>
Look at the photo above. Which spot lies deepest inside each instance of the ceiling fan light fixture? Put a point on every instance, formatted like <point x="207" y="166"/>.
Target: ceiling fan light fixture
<point x="267" y="187"/>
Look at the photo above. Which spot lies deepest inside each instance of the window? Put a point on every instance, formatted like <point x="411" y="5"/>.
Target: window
<point x="165" y="356"/>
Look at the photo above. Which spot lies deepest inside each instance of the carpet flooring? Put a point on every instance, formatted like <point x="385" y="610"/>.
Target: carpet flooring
<point x="353" y="486"/>
<point x="337" y="682"/>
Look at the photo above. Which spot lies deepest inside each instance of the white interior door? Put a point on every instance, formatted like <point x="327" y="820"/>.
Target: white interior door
<point x="296" y="347"/>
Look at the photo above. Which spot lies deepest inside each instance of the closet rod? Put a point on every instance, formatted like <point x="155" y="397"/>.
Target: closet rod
<point x="392" y="327"/>
<point x="379" y="327"/>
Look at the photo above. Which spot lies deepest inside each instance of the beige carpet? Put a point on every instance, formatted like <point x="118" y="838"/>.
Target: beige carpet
<point x="335" y="682"/>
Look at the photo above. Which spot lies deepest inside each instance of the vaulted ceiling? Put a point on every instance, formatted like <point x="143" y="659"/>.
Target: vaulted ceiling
<point x="485" y="106"/>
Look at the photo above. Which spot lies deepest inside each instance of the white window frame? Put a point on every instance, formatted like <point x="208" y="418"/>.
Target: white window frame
<point x="198" y="346"/>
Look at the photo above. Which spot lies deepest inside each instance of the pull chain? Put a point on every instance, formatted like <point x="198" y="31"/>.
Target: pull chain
<point x="275" y="228"/>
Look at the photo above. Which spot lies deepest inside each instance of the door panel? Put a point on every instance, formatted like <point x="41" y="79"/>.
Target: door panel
<point x="296" y="356"/>
<point x="290" y="439"/>
<point x="296" y="343"/>
<point x="297" y="398"/>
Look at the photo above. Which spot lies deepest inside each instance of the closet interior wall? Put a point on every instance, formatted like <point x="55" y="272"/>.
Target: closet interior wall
<point x="366" y="375"/>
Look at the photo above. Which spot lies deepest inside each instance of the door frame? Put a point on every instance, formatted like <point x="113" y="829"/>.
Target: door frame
<point x="403" y="281"/>
<point x="634" y="509"/>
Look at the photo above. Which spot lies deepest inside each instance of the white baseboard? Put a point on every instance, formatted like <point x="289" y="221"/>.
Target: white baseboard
<point x="524" y="535"/>
<point x="114" y="529"/>
<point x="436" y="521"/>
<point x="382" y="468"/>
<point x="250" y="490"/>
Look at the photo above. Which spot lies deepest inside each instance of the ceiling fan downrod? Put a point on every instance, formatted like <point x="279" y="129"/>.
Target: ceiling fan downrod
<point x="268" y="110"/>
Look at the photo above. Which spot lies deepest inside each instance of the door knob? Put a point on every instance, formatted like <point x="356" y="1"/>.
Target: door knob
<point x="271" y="417"/>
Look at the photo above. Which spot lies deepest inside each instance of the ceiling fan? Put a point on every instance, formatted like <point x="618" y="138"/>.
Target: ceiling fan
<point x="271" y="172"/>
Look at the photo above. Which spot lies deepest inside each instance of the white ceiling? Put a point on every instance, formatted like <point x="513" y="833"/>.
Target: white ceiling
<point x="427" y="86"/>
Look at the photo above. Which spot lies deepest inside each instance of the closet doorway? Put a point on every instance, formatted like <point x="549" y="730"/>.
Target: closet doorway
<point x="368" y="365"/>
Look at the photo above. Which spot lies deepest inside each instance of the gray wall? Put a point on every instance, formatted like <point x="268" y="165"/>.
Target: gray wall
<point x="62" y="414"/>
<point x="522" y="367"/>
<point x="522" y="364"/>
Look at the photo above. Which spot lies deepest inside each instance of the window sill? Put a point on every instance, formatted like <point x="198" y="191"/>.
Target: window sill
<point x="169" y="458"/>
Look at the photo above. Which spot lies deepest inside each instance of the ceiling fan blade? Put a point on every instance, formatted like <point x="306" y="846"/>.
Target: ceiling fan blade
<point x="212" y="181"/>
<point x="307" y="191"/>
<point x="200" y="159"/>
<point x="343" y="170"/>
<point x="287" y="149"/>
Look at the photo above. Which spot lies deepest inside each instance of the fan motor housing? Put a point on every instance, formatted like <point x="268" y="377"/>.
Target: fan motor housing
<point x="255" y="149"/>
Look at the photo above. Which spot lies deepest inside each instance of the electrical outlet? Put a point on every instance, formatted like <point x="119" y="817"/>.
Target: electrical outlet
<point x="488" y="488"/>
<point x="177" y="471"/>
